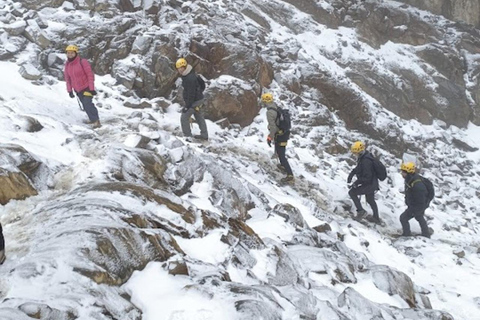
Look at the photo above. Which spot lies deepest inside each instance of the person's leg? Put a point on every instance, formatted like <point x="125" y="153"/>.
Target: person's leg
<point x="281" y="153"/>
<point x="404" y="218"/>
<point x="2" y="240"/>
<point x="185" y="122"/>
<point x="420" y="217"/>
<point x="354" y="195"/>
<point x="89" y="107"/>
<point x="200" y="119"/>
<point x="371" y="201"/>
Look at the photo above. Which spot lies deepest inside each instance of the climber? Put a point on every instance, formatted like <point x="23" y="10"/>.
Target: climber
<point x="279" y="135"/>
<point x="80" y="78"/>
<point x="193" y="99"/>
<point x="2" y="246"/>
<point x="416" y="199"/>
<point x="366" y="182"/>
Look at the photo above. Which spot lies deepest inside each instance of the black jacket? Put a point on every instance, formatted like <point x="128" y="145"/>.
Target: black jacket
<point x="191" y="89"/>
<point x="365" y="172"/>
<point x="415" y="193"/>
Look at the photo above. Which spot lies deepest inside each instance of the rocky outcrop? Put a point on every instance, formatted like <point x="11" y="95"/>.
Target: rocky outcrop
<point x="459" y="10"/>
<point x="14" y="186"/>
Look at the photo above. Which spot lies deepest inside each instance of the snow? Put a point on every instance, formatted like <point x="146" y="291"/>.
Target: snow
<point x="452" y="281"/>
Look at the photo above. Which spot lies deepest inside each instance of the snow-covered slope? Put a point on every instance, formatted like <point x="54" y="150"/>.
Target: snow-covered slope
<point x="176" y="230"/>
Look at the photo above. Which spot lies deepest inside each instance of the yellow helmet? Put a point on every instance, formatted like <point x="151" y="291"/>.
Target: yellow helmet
<point x="357" y="147"/>
<point x="267" y="97"/>
<point x="408" y="167"/>
<point x="181" y="63"/>
<point x="72" y="47"/>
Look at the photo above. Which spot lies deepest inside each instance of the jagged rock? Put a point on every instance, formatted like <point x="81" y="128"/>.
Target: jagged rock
<point x="254" y="309"/>
<point x="141" y="44"/>
<point x="311" y="259"/>
<point x="458" y="10"/>
<point x="12" y="155"/>
<point x="43" y="311"/>
<point x="459" y="253"/>
<point x="239" y="231"/>
<point x="14" y="185"/>
<point x="137" y="105"/>
<point x="16" y="28"/>
<point x="323" y="228"/>
<point x="236" y="101"/>
<point x="291" y="214"/>
<point x="285" y="273"/>
<point x="463" y="145"/>
<point x="34" y="34"/>
<point x="137" y="141"/>
<point x="30" y="72"/>
<point x="394" y="282"/>
<point x="358" y="306"/>
<point x="385" y="24"/>
<point x="35" y="5"/>
<point x="31" y="124"/>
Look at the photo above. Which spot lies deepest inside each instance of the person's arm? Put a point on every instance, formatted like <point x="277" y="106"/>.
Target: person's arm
<point x="272" y="122"/>
<point x="67" y="80"/>
<point x="89" y="73"/>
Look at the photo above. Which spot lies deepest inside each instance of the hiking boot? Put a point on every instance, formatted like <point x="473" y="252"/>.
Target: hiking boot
<point x="373" y="219"/>
<point x="88" y="121"/>
<point x="425" y="235"/>
<point x="199" y="137"/>
<point x="288" y="179"/>
<point x="282" y="168"/>
<point x="2" y="257"/>
<point x="96" y="124"/>
<point x="360" y="214"/>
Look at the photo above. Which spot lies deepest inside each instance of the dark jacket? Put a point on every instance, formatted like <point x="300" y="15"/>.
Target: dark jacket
<point x="365" y="172"/>
<point x="191" y="89"/>
<point x="415" y="193"/>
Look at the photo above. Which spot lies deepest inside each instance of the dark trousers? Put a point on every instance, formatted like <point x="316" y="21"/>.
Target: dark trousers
<point x="354" y="193"/>
<point x="409" y="214"/>
<point x="281" y="151"/>
<point x="2" y="240"/>
<point x="199" y="118"/>
<point x="89" y="107"/>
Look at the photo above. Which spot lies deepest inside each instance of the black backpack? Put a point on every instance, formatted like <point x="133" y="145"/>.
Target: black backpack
<point x="430" y="190"/>
<point x="284" y="121"/>
<point x="378" y="167"/>
<point x="201" y="83"/>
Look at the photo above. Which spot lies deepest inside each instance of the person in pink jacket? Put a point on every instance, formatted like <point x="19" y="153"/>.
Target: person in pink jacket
<point x="80" y="78"/>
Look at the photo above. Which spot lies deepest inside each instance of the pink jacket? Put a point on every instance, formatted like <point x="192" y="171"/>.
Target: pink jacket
<point x="78" y="75"/>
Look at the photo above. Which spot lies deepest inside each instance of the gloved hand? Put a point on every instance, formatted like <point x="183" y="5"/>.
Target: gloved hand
<point x="93" y="92"/>
<point x="269" y="141"/>
<point x="184" y="109"/>
<point x="71" y="94"/>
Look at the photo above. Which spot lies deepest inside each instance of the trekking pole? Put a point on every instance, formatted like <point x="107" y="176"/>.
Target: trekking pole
<point x="80" y="104"/>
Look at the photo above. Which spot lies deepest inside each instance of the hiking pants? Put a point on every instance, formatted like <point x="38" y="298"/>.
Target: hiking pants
<point x="2" y="240"/>
<point x="281" y="151"/>
<point x="89" y="107"/>
<point x="354" y="193"/>
<point x="409" y="214"/>
<point x="185" y="122"/>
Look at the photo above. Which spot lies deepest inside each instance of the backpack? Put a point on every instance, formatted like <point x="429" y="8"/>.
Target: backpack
<point x="201" y="83"/>
<point x="430" y="190"/>
<point x="379" y="168"/>
<point x="284" y="121"/>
